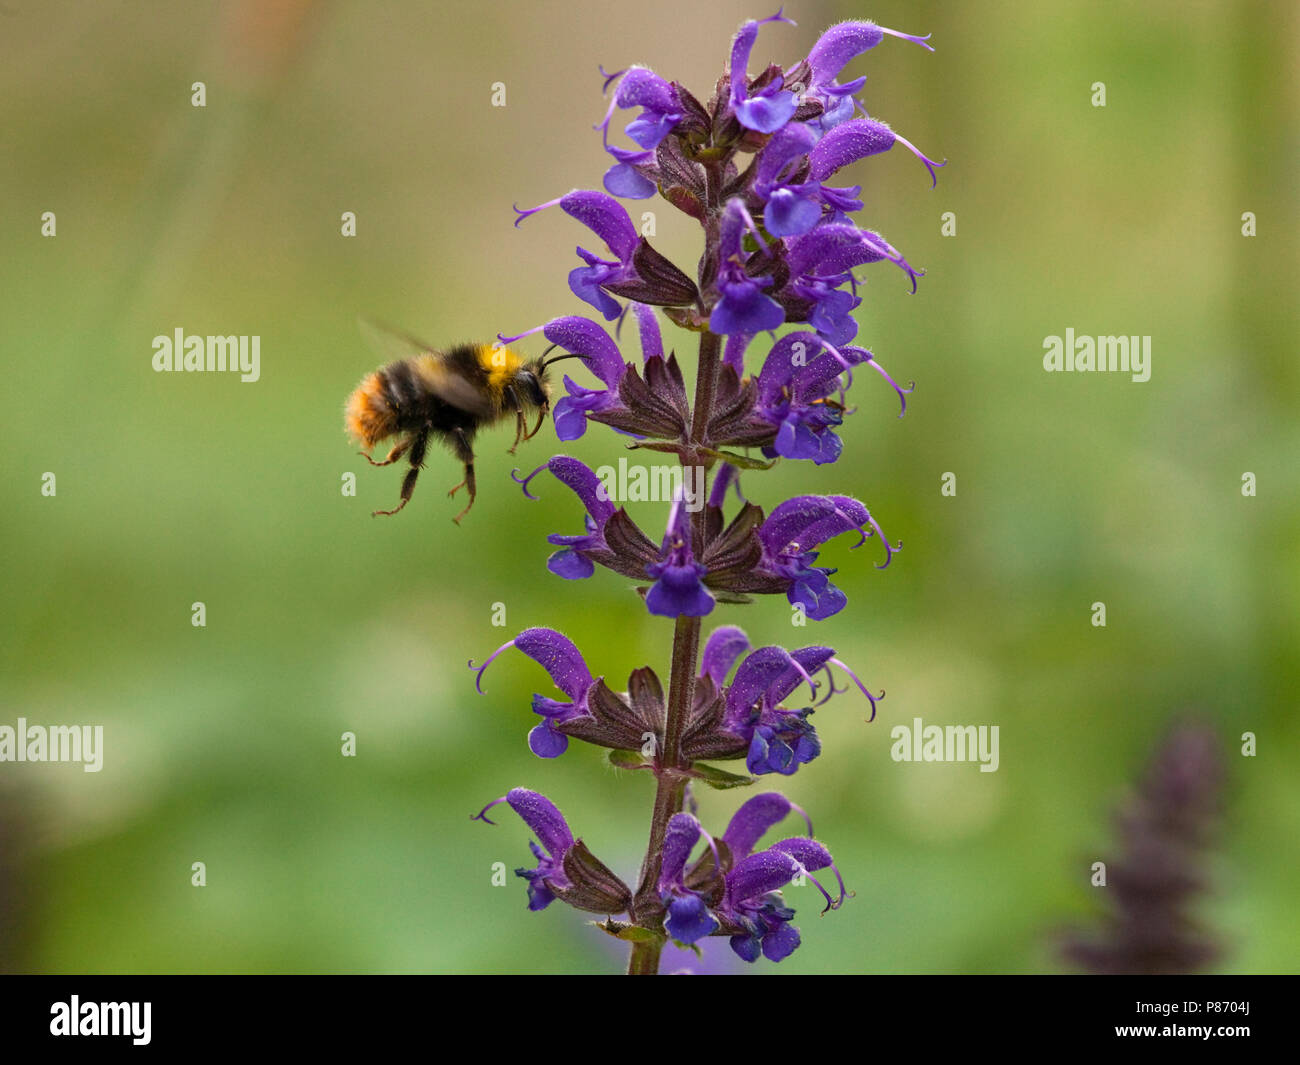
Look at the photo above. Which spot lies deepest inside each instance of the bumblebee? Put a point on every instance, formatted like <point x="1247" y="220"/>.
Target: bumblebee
<point x="445" y="394"/>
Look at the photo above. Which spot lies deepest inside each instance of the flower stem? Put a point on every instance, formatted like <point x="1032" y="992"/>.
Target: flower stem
<point x="670" y="790"/>
<point x="645" y="958"/>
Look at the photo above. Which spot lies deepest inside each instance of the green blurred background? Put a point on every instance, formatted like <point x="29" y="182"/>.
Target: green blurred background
<point x="223" y="743"/>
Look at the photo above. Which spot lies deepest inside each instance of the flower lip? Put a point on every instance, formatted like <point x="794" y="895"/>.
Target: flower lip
<point x="753" y="819"/>
<point x="771" y="107"/>
<point x="554" y="652"/>
<point x="844" y="42"/>
<point x="678" y="589"/>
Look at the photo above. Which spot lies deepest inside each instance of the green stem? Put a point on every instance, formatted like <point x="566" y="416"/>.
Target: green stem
<point x="645" y="958"/>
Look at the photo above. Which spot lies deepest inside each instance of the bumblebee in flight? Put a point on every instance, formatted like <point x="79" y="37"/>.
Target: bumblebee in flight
<point x="445" y="394"/>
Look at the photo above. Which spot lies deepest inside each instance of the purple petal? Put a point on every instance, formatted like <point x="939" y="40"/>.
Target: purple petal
<point x="833" y="319"/>
<point x="741" y="45"/>
<point x="847" y="143"/>
<point x="689" y="919"/>
<point x="810" y="659"/>
<point x="820" y="600"/>
<point x="760" y="873"/>
<point x="848" y="514"/>
<point x="744" y="309"/>
<point x="789" y="213"/>
<point x="605" y="217"/>
<point x="807" y="852"/>
<point x="651" y="128"/>
<point x="733" y="354"/>
<point x="723" y="647"/>
<point x="754" y="677"/>
<point x="750" y="823"/>
<point x="642" y="87"/>
<point x="788" y="356"/>
<point x="680" y="837"/>
<point x="838" y="45"/>
<point x="560" y="657"/>
<point x="545" y="742"/>
<point x="582" y="336"/>
<point x="736" y="221"/>
<point x="781" y="942"/>
<point x="652" y="342"/>
<point x="785" y="147"/>
<point x="747" y="948"/>
<point x="589" y="488"/>
<point x="788" y="520"/>
<point x="622" y="179"/>
<point x="830" y="249"/>
<point x="570" y="565"/>
<point x="765" y="114"/>
<point x="570" y="420"/>
<point x="544" y="818"/>
<point x="585" y="282"/>
<point x="678" y="592"/>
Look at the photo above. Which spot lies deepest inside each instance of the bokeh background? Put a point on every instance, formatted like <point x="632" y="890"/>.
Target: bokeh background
<point x="223" y="743"/>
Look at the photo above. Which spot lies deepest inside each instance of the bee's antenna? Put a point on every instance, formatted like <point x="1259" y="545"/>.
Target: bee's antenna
<point x="546" y="365"/>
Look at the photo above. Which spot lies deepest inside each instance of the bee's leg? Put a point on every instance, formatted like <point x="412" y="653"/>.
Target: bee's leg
<point x="417" y="446"/>
<point x="465" y="452"/>
<point x="521" y="425"/>
<point x="399" y="449"/>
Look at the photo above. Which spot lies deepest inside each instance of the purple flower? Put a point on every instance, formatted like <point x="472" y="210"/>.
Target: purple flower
<point x="832" y="53"/>
<point x="545" y="819"/>
<point x="608" y="219"/>
<point x="851" y="141"/>
<point x="611" y="539"/>
<point x="780" y="740"/>
<point x="751" y="721"/>
<point x="586" y="339"/>
<point x="661" y="110"/>
<point x="733" y="353"/>
<point x="831" y="251"/>
<point x="745" y="904"/>
<point x="652" y="341"/>
<point x="560" y="657"/>
<point x="752" y="903"/>
<point x="742" y="308"/>
<point x="688" y="918"/>
<point x="769" y="108"/>
<point x="792" y="532"/>
<point x="678" y="589"/>
<point x="724" y="645"/>
<point x="570" y="562"/>
<point x="565" y="868"/>
<point x="636" y="272"/>
<point x="792" y="207"/>
<point x="800" y="374"/>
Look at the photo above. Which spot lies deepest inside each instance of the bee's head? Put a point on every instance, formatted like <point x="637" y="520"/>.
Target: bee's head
<point x="532" y="381"/>
<point x="532" y="385"/>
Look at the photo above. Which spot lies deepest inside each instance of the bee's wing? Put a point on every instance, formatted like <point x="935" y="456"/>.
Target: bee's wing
<point x="442" y="378"/>
<point x="390" y="343"/>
